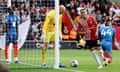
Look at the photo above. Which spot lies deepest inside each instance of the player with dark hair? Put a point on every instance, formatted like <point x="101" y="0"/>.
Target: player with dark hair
<point x="11" y="34"/>
<point x="87" y="27"/>
<point x="107" y="38"/>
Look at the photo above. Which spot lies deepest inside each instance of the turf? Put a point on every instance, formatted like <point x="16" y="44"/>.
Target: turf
<point x="31" y="61"/>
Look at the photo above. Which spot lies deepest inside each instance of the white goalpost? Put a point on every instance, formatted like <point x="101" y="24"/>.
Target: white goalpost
<point x="57" y="53"/>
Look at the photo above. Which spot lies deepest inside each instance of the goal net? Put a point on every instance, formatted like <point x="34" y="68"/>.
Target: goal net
<point x="32" y="14"/>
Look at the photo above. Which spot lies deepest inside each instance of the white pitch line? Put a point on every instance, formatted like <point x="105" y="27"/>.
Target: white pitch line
<point x="70" y="70"/>
<point x="64" y="69"/>
<point x="30" y="64"/>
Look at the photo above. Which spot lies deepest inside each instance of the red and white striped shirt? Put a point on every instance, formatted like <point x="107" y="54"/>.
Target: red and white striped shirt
<point x="90" y="24"/>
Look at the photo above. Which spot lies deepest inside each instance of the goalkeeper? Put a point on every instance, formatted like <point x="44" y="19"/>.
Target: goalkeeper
<point x="49" y="32"/>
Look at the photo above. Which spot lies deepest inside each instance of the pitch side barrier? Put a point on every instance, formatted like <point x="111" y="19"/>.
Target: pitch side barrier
<point x="30" y="44"/>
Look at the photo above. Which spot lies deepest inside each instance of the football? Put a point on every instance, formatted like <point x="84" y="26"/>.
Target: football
<point x="74" y="63"/>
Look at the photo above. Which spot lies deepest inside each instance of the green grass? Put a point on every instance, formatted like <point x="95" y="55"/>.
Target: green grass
<point x="84" y="57"/>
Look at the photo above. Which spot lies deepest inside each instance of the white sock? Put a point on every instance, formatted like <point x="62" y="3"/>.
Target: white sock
<point x="7" y="60"/>
<point x="16" y="59"/>
<point x="101" y="53"/>
<point x="96" y="57"/>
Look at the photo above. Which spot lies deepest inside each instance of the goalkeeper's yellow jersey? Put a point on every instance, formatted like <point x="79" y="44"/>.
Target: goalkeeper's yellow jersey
<point x="49" y="23"/>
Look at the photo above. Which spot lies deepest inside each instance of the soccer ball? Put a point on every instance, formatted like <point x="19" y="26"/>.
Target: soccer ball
<point x="74" y="63"/>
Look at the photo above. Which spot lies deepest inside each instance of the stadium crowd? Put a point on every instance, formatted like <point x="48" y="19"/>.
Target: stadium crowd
<point x="36" y="9"/>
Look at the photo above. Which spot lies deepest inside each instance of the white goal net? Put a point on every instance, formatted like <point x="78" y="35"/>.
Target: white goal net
<point x="32" y="14"/>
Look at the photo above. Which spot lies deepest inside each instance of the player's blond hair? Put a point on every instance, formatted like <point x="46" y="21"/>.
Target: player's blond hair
<point x="62" y="8"/>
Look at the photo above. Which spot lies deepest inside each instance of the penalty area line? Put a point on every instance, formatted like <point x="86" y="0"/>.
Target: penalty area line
<point x="29" y="64"/>
<point x="70" y="70"/>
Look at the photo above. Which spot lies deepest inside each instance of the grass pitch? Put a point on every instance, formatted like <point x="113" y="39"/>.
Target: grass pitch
<point x="30" y="61"/>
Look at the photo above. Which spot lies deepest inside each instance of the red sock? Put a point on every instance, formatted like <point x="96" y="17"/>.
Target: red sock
<point x="105" y="55"/>
<point x="109" y="60"/>
<point x="6" y="51"/>
<point x="15" y="50"/>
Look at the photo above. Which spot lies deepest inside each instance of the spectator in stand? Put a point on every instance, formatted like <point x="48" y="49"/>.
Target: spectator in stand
<point x="90" y="9"/>
<point x="35" y="29"/>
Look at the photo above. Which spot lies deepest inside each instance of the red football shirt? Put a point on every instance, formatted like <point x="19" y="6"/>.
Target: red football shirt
<point x="90" y="24"/>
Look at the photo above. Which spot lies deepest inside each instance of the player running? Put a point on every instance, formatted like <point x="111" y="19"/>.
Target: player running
<point x="11" y="34"/>
<point x="107" y="38"/>
<point x="87" y="28"/>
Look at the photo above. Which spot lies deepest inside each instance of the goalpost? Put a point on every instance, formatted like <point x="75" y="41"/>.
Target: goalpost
<point x="29" y="54"/>
<point x="57" y="56"/>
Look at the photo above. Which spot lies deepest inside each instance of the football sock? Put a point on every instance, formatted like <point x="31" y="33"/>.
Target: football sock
<point x="101" y="53"/>
<point x="15" y="52"/>
<point x="105" y="55"/>
<point x="16" y="58"/>
<point x="44" y="55"/>
<point x="109" y="60"/>
<point x="6" y="52"/>
<point x="96" y="57"/>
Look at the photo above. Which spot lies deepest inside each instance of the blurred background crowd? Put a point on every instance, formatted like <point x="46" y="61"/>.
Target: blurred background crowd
<point x="37" y="9"/>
